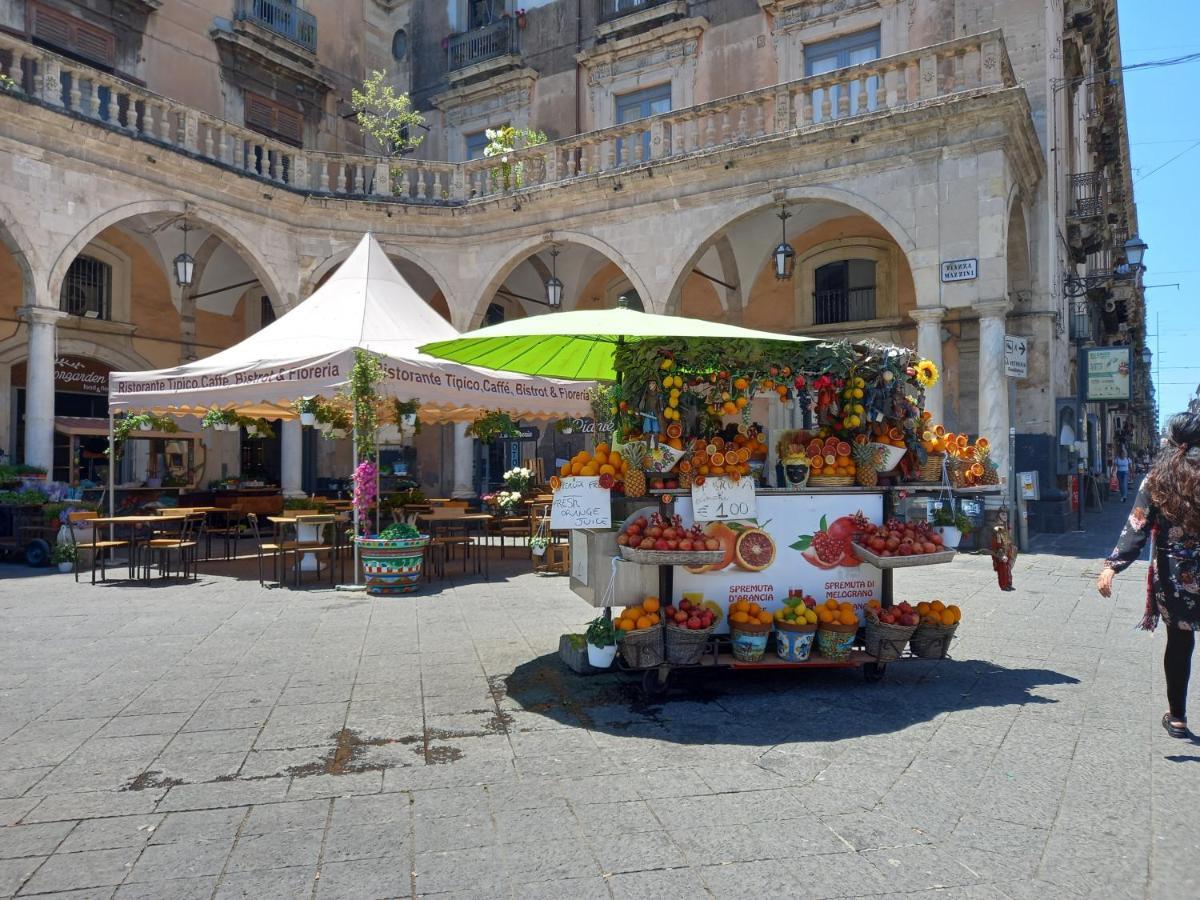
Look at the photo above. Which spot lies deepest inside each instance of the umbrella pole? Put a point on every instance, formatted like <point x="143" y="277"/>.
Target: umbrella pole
<point x="112" y="463"/>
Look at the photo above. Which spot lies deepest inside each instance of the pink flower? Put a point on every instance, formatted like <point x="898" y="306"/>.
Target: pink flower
<point x="365" y="492"/>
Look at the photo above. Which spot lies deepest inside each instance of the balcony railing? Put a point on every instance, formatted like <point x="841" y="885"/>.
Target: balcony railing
<point x="835" y="307"/>
<point x="615" y="9"/>
<point x="481" y="44"/>
<point x="284" y="19"/>
<point x="1086" y="195"/>
<point x="908" y="81"/>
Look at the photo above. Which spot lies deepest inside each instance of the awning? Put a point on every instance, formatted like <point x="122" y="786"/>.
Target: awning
<point x="84" y="426"/>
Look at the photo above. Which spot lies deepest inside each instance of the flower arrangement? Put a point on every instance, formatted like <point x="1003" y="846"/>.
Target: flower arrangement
<point x="366" y="491"/>
<point x="504" y="501"/>
<point x="926" y="373"/>
<point x="517" y="480"/>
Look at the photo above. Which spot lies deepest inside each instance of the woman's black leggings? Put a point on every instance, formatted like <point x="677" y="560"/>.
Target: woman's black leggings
<point x="1177" y="662"/>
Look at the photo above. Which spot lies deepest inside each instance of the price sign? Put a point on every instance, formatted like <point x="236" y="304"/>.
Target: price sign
<point x="972" y="509"/>
<point x="580" y="502"/>
<point x="719" y="498"/>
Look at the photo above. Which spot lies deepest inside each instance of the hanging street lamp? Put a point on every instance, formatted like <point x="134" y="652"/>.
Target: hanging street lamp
<point x="554" y="287"/>
<point x="785" y="256"/>
<point x="184" y="264"/>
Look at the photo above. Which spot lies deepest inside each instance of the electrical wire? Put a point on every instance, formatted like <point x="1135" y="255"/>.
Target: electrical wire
<point x="1142" y="178"/>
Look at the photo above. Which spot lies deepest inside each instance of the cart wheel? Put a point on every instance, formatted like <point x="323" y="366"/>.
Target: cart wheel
<point x="656" y="681"/>
<point x="37" y="553"/>
<point x="873" y="672"/>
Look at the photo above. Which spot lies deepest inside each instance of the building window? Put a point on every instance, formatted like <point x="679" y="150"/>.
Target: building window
<point x="399" y="44"/>
<point x="476" y="144"/>
<point x="840" y="53"/>
<point x="484" y="12"/>
<point x="494" y="314"/>
<point x="71" y="36"/>
<point x="844" y="291"/>
<point x="87" y="289"/>
<point x="651" y="101"/>
<point x="274" y="119"/>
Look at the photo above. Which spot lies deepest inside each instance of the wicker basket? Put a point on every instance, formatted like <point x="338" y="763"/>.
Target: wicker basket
<point x="793" y="643"/>
<point x="886" y="642"/>
<point x="685" y="646"/>
<point x="671" y="557"/>
<point x="643" y="648"/>
<point x="931" y="469"/>
<point x="836" y="641"/>
<point x="932" y="641"/>
<point x="830" y="480"/>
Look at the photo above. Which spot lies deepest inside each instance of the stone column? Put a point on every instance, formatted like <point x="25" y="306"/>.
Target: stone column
<point x="291" y="449"/>
<point x="929" y="345"/>
<point x="993" y="384"/>
<point x="464" y="462"/>
<point x="39" y="385"/>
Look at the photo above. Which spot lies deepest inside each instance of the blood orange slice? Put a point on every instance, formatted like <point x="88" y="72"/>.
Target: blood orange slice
<point x="754" y="550"/>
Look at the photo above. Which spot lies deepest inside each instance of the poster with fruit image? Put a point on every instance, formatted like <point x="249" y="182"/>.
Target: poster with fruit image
<point x="796" y="542"/>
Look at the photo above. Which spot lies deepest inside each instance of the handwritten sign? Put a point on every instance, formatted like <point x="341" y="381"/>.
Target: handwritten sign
<point x="720" y="498"/>
<point x="580" y="502"/>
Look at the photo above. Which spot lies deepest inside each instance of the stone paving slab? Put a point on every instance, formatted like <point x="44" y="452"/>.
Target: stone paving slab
<point x="220" y="740"/>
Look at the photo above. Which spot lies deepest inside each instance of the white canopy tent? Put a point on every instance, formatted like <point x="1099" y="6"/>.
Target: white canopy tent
<point x="365" y="305"/>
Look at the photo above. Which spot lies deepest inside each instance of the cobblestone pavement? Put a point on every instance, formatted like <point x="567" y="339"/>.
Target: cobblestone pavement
<point x="221" y="740"/>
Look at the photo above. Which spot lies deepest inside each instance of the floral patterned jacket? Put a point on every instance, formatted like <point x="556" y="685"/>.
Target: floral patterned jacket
<point x="1173" y="585"/>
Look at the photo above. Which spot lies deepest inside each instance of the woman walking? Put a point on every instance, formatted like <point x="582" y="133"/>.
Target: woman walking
<point x="1123" y="464"/>
<point x="1167" y="512"/>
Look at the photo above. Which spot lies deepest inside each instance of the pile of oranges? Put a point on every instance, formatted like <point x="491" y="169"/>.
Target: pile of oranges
<point x="938" y="613"/>
<point x="716" y="456"/>
<point x="743" y="612"/>
<point x="830" y="457"/>
<point x="644" y="615"/>
<point x="893" y="436"/>
<point x="602" y="462"/>
<point x="833" y="613"/>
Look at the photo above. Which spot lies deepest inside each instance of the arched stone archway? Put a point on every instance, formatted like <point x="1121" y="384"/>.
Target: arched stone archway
<point x="231" y="233"/>
<point x="534" y="245"/>
<point x="21" y="249"/>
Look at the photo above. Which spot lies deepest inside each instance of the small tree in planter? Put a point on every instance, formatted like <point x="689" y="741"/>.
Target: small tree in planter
<point x="602" y="637"/>
<point x="388" y="117"/>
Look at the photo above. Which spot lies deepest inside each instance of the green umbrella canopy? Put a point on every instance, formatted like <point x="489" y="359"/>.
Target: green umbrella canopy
<point x="581" y="345"/>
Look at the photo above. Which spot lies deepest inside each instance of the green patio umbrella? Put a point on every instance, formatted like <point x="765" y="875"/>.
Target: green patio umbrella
<point x="580" y="345"/>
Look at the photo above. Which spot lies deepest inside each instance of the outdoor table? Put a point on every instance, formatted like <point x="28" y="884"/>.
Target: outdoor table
<point x="134" y="523"/>
<point x="471" y="523"/>
<point x="304" y="534"/>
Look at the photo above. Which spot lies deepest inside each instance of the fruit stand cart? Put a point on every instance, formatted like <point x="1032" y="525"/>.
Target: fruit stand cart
<point x="752" y="521"/>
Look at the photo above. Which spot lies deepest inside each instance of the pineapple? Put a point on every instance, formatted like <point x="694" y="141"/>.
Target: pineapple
<point x="983" y="456"/>
<point x="635" y="479"/>
<point x="866" y="463"/>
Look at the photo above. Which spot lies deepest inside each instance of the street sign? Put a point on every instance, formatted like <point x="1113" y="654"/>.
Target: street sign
<point x="959" y="270"/>
<point x="1016" y="357"/>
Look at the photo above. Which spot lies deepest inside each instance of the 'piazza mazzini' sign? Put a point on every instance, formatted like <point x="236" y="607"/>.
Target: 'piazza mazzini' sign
<point x="960" y="270"/>
<point x="455" y="388"/>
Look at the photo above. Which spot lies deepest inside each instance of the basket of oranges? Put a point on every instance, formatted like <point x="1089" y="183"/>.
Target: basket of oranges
<point x="749" y="629"/>
<point x="938" y="624"/>
<point x="641" y="634"/>
<point x="837" y="626"/>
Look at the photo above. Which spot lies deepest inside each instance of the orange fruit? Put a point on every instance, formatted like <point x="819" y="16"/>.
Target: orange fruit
<point x="739" y="617"/>
<point x="564" y="469"/>
<point x="718" y="442"/>
<point x="685" y="466"/>
<point x="937" y="606"/>
<point x="764" y="618"/>
<point x="831" y="604"/>
<point x="674" y="430"/>
<point x="555" y="482"/>
<point x="895" y="434"/>
<point x="654" y="619"/>
<point x="625" y="625"/>
<point x="606" y="469"/>
<point x="754" y="609"/>
<point x="815" y="448"/>
<point x="843" y="449"/>
<point x="576" y="468"/>
<point x="825" y="616"/>
<point x="651" y="604"/>
<point x="741" y="605"/>
<point x="735" y="476"/>
<point x="816" y="463"/>
<point x="848" y="617"/>
<point x="644" y="622"/>
<point x="922" y="608"/>
<point x="717" y="459"/>
<point x="957" y="612"/>
<point x="948" y="617"/>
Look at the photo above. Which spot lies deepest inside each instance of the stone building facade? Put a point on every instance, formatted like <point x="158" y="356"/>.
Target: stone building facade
<point x="897" y="136"/>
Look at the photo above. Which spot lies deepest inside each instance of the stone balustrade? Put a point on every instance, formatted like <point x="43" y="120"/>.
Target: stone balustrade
<point x="929" y="75"/>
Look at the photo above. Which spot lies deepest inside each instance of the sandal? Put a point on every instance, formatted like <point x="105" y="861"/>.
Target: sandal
<point x="1175" y="731"/>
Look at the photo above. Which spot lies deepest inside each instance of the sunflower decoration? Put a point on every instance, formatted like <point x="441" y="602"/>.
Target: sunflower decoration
<point x="927" y="373"/>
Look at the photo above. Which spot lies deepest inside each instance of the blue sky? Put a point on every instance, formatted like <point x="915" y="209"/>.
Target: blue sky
<point x="1164" y="121"/>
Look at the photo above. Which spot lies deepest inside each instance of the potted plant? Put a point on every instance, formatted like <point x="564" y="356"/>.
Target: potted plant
<point x="307" y="408"/>
<point x="405" y="414"/>
<point x="517" y="479"/>
<point x="494" y="425"/>
<point x="63" y="555"/>
<point x="602" y="638"/>
<point x="538" y="544"/>
<point x="392" y="560"/>
<point x="141" y="422"/>
<point x="216" y="419"/>
<point x="565" y="426"/>
<point x="953" y="527"/>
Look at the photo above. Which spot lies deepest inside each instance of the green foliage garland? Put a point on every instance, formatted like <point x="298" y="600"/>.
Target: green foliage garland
<point x="362" y="391"/>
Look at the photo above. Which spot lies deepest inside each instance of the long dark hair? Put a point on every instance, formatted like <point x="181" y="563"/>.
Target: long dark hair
<point x="1174" y="482"/>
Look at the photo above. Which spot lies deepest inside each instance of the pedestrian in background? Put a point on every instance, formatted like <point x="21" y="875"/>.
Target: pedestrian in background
<point x="1122" y="465"/>
<point x="1166" y="512"/>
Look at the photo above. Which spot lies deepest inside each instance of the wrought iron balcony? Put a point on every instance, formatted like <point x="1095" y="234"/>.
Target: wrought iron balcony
<point x="615" y="9"/>
<point x="834" y="307"/>
<point x="280" y="17"/>
<point x="481" y="44"/>
<point x="1086" y="196"/>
